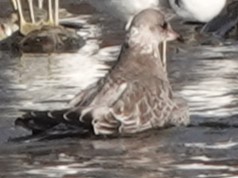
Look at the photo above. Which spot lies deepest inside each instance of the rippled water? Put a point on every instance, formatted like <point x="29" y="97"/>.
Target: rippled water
<point x="205" y="75"/>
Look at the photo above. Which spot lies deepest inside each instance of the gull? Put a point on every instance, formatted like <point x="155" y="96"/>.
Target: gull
<point x="133" y="97"/>
<point x="26" y="27"/>
<point x="198" y="10"/>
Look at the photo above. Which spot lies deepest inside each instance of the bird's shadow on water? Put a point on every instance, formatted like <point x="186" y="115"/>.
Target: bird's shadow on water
<point x="154" y="153"/>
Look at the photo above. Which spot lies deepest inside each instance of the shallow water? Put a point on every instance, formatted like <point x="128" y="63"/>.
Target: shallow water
<point x="206" y="76"/>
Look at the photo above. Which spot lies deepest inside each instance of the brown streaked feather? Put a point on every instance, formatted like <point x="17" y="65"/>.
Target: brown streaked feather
<point x="132" y="112"/>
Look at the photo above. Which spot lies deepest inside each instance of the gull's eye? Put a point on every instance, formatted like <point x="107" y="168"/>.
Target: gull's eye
<point x="164" y="25"/>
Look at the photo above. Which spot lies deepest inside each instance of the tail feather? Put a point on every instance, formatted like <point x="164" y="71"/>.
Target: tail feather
<point x="53" y="123"/>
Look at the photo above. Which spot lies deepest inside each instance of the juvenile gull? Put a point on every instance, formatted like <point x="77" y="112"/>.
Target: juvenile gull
<point x="198" y="10"/>
<point x="133" y="97"/>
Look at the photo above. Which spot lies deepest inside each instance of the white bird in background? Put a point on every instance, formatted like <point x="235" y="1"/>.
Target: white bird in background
<point x="123" y="9"/>
<point x="197" y="10"/>
<point x="222" y="25"/>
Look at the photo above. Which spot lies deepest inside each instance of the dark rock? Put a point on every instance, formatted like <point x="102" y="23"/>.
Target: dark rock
<point x="51" y="40"/>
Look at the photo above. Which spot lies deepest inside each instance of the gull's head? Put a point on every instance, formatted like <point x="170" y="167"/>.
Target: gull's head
<point x="149" y="26"/>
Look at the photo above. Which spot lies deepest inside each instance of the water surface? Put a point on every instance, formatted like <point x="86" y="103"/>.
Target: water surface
<point x="205" y="75"/>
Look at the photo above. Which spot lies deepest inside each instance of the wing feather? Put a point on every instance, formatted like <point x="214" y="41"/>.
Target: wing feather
<point x="132" y="107"/>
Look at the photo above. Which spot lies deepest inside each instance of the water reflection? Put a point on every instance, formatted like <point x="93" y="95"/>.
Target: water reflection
<point x="206" y="76"/>
<point x="168" y="153"/>
<point x="210" y="86"/>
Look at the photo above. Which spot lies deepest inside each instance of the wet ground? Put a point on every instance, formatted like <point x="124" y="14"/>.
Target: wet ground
<point x="205" y="75"/>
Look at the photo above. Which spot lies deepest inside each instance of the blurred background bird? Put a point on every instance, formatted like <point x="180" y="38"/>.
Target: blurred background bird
<point x="197" y="10"/>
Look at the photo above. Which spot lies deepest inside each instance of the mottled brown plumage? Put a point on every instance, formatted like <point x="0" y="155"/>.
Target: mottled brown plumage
<point x="136" y="94"/>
